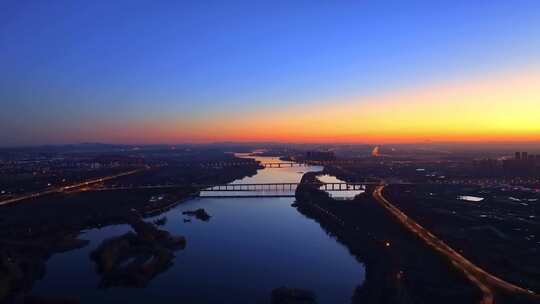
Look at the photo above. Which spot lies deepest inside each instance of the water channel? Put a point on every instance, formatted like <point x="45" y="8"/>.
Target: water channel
<point x="248" y="247"/>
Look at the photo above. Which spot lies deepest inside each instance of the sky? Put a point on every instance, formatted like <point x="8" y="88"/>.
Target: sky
<point x="129" y="71"/>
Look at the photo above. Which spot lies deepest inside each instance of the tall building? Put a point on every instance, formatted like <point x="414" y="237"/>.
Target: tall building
<point x="523" y="165"/>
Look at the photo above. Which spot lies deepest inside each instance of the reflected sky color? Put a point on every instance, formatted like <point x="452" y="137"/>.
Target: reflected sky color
<point x="169" y="72"/>
<point x="244" y="238"/>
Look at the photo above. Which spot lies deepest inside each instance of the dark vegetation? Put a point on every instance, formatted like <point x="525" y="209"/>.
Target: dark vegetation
<point x="199" y="214"/>
<point x="133" y="259"/>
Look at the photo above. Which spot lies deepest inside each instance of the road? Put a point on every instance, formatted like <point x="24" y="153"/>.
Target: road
<point x="485" y="281"/>
<point x="65" y="188"/>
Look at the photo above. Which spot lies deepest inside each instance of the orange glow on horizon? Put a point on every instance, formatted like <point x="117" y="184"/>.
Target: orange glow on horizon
<point x="497" y="109"/>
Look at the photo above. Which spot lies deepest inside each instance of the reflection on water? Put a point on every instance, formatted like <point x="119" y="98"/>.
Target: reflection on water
<point x="250" y="247"/>
<point x="343" y="194"/>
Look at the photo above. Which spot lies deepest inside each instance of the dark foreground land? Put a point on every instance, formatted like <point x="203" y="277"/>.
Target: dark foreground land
<point x="33" y="230"/>
<point x="399" y="268"/>
<point x="496" y="234"/>
<point x="500" y="233"/>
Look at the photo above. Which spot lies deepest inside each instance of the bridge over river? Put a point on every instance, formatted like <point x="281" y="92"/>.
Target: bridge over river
<point x="279" y="189"/>
<point x="252" y="189"/>
<point x="269" y="164"/>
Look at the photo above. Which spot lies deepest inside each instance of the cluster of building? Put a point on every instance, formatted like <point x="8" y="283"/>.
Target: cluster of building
<point x="107" y="161"/>
<point x="36" y="166"/>
<point x="320" y="155"/>
<point x="525" y="156"/>
<point x="36" y="172"/>
<point x="523" y="164"/>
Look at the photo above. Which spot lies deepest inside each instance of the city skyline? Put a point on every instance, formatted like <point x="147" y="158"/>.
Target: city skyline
<point x="350" y="72"/>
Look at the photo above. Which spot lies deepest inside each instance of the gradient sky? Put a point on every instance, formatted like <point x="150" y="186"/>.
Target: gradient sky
<point x="129" y="71"/>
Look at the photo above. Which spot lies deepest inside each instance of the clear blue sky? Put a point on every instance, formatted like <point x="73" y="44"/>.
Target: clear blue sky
<point x="71" y="69"/>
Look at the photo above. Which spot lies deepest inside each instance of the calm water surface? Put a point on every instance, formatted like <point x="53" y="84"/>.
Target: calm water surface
<point x="248" y="247"/>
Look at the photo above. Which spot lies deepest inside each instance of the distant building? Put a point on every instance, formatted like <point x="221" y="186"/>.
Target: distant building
<point x="320" y="155"/>
<point x="113" y="161"/>
<point x="522" y="165"/>
<point x="487" y="167"/>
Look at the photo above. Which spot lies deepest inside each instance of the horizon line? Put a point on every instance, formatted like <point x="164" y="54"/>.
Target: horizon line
<point x="195" y="143"/>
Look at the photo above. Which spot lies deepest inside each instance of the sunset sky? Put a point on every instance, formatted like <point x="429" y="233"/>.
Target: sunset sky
<point x="305" y="71"/>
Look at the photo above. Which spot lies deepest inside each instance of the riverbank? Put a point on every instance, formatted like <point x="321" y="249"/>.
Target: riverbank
<point x="399" y="268"/>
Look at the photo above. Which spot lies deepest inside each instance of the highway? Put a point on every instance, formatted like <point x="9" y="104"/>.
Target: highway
<point x="485" y="281"/>
<point x="69" y="187"/>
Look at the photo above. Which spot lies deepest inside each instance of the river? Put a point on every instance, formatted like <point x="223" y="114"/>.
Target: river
<point x="248" y="247"/>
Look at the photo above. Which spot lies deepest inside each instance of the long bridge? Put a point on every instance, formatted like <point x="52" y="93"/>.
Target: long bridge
<point x="285" y="187"/>
<point x="276" y="164"/>
<point x="256" y="189"/>
<point x="226" y="164"/>
<point x="275" y="189"/>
